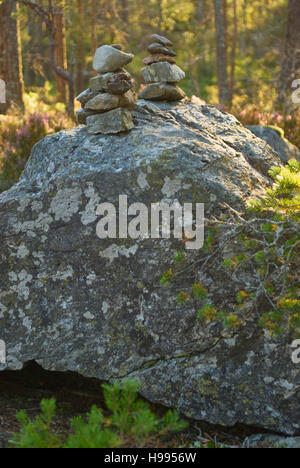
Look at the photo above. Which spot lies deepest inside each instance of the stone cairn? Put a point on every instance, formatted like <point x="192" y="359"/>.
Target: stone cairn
<point x="161" y="72"/>
<point x="106" y="107"/>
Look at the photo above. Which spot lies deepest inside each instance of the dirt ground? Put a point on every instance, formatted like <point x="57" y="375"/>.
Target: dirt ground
<point x="75" y="395"/>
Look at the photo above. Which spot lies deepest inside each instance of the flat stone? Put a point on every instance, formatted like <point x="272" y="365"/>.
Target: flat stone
<point x="158" y="58"/>
<point x="82" y="114"/>
<point x="103" y="102"/>
<point x="113" y="83"/>
<point x="156" y="48"/>
<point x="119" y="84"/>
<point x="85" y="96"/>
<point x="109" y="59"/>
<point x="163" y="71"/>
<point x="162" y="92"/>
<point x="162" y="40"/>
<point x="116" y="121"/>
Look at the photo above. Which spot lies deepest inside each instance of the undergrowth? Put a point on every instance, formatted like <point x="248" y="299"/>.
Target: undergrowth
<point x="131" y="423"/>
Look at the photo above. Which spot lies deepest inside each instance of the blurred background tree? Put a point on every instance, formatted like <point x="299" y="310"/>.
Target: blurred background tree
<point x="231" y="50"/>
<point x="11" y="70"/>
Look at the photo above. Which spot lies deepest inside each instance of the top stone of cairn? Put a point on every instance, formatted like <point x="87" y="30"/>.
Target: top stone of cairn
<point x="162" y="40"/>
<point x="109" y="59"/>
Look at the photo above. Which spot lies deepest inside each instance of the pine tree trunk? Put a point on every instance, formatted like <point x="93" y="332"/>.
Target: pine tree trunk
<point x="233" y="50"/>
<point x="221" y="38"/>
<point x="290" y="65"/>
<point x="80" y="52"/>
<point x="93" y="13"/>
<point x="60" y="51"/>
<point x="10" y="55"/>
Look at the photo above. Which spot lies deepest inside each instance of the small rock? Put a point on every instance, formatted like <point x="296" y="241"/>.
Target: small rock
<point x="162" y="92"/>
<point x="114" y="83"/>
<point x="156" y="48"/>
<point x="82" y="114"/>
<point x="119" y="84"/>
<point x="163" y="71"/>
<point x="103" y="102"/>
<point x="158" y="58"/>
<point x="115" y="121"/>
<point x="162" y="40"/>
<point x="110" y="59"/>
<point x="99" y="82"/>
<point x="85" y="96"/>
<point x="117" y="46"/>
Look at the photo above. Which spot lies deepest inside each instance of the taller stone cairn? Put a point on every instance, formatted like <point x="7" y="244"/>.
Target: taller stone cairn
<point x="161" y="72"/>
<point x="106" y="105"/>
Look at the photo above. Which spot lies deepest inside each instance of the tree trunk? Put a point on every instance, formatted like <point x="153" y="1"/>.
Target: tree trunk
<point x="233" y="50"/>
<point x="125" y="11"/>
<point x="93" y="12"/>
<point x="60" y="50"/>
<point x="290" y="65"/>
<point x="221" y="38"/>
<point x="10" y="55"/>
<point x="79" y="51"/>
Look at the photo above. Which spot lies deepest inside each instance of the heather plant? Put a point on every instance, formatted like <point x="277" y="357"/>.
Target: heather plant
<point x="131" y="423"/>
<point x="19" y="133"/>
<point x="255" y="114"/>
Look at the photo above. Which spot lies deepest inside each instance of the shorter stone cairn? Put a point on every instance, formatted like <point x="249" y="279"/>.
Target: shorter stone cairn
<point x="106" y="107"/>
<point x="161" y="72"/>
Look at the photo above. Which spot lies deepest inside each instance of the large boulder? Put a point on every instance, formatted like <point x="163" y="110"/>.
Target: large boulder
<point x="71" y="301"/>
<point x="274" y="137"/>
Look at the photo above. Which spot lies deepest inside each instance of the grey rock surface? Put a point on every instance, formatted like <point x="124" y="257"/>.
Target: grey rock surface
<point x="163" y="71"/>
<point x="71" y="301"/>
<point x="273" y="137"/>
<point x="115" y="121"/>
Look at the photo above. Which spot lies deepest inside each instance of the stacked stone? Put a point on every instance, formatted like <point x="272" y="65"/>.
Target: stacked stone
<point x="106" y="107"/>
<point x="161" y="72"/>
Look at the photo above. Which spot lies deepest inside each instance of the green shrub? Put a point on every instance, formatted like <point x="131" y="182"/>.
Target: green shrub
<point x="130" y="423"/>
<point x="267" y="241"/>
